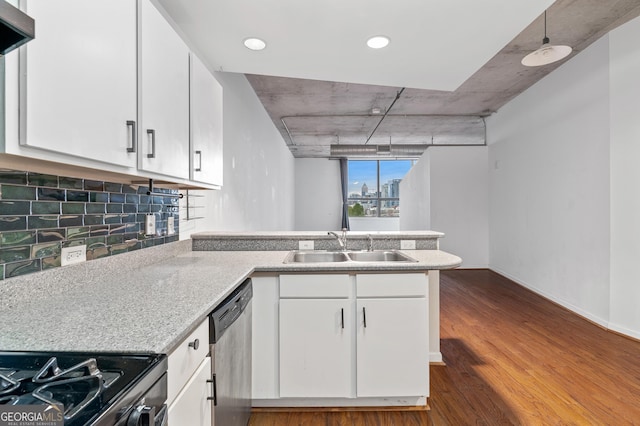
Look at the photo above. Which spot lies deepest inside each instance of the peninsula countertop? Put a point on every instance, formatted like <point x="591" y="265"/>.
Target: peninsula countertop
<point x="148" y="300"/>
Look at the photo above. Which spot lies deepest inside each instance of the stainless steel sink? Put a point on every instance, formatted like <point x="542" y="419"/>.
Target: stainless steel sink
<point x="379" y="256"/>
<point x="346" y="256"/>
<point x="316" y="256"/>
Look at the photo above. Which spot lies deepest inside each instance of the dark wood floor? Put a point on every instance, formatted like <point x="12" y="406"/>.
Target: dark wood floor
<point x="513" y="358"/>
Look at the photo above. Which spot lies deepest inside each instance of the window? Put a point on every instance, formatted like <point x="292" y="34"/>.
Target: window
<point x="374" y="187"/>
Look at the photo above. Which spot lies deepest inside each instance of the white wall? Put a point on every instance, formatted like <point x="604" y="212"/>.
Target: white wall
<point x="549" y="185"/>
<point x="258" y="191"/>
<point x="318" y="197"/>
<point x="447" y="191"/>
<point x="415" y="196"/>
<point x="459" y="202"/>
<point x="625" y="178"/>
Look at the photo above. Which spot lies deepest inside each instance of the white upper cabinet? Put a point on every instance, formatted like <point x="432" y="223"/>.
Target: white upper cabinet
<point x="163" y="96"/>
<point x="206" y="124"/>
<point x="78" y="80"/>
<point x="105" y="86"/>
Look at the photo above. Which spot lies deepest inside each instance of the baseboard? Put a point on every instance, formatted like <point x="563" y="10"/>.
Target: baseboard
<point x="338" y="404"/>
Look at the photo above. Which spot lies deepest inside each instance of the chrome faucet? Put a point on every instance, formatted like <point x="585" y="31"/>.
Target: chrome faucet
<point x="342" y="240"/>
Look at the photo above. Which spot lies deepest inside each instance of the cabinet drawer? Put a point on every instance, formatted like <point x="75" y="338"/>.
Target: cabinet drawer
<point x="311" y="286"/>
<point x="392" y="285"/>
<point x="184" y="359"/>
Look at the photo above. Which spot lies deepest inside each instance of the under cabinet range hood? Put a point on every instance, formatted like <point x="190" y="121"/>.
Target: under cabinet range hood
<point x="16" y="28"/>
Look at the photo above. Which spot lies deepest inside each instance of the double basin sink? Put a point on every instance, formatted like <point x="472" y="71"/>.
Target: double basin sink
<point x="347" y="256"/>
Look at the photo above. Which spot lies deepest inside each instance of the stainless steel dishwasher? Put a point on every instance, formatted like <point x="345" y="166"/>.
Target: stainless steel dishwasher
<point x="230" y="329"/>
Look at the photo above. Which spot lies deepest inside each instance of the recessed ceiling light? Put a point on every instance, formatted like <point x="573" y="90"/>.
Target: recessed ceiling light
<point x="378" y="42"/>
<point x="254" y="43"/>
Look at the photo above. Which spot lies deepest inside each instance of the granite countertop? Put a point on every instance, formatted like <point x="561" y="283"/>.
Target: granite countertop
<point x="136" y="302"/>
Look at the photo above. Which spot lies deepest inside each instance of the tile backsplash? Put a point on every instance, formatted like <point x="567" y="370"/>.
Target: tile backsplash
<point x="40" y="214"/>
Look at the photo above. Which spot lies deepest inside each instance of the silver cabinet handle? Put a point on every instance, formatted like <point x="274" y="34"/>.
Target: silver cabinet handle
<point x="199" y="168"/>
<point x="195" y="344"/>
<point x="342" y="317"/>
<point x="151" y="134"/>
<point x="134" y="142"/>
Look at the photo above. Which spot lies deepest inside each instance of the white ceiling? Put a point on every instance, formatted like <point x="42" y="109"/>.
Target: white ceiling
<point x="435" y="44"/>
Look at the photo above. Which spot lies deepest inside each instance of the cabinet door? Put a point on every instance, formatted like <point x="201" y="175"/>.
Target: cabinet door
<point x="206" y="124"/>
<point x="393" y="347"/>
<point x="78" y="79"/>
<point x="191" y="406"/>
<point x="164" y="96"/>
<point x="315" y="349"/>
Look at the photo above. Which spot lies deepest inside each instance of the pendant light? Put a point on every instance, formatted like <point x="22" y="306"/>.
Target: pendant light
<point x="547" y="53"/>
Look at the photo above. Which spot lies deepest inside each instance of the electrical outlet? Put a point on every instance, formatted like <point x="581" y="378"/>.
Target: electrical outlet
<point x="75" y="254"/>
<point x="407" y="244"/>
<point x="171" y="229"/>
<point x="305" y="245"/>
<point x="150" y="224"/>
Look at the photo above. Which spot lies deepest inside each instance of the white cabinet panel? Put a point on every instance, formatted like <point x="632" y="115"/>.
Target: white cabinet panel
<point x="78" y="79"/>
<point x="393" y="347"/>
<point x="315" y="348"/>
<point x="206" y="124"/>
<point x="164" y="96"/>
<point x="191" y="406"/>
<point x="264" y="335"/>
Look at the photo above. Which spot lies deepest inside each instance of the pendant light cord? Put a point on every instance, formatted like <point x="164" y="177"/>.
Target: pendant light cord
<point x="545" y="40"/>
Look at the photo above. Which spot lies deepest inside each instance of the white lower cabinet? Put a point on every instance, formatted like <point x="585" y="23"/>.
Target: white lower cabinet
<point x="393" y="347"/>
<point x="192" y="406"/>
<point x="315" y="347"/>
<point x="346" y="339"/>
<point x="189" y="375"/>
<point x="264" y="338"/>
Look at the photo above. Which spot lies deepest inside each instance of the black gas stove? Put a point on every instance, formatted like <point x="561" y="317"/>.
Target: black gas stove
<point x="104" y="389"/>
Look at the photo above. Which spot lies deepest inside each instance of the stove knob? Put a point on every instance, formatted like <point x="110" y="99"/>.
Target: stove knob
<point x="142" y="416"/>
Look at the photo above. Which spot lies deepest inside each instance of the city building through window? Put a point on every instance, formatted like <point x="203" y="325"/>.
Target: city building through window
<point x="374" y="187"/>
